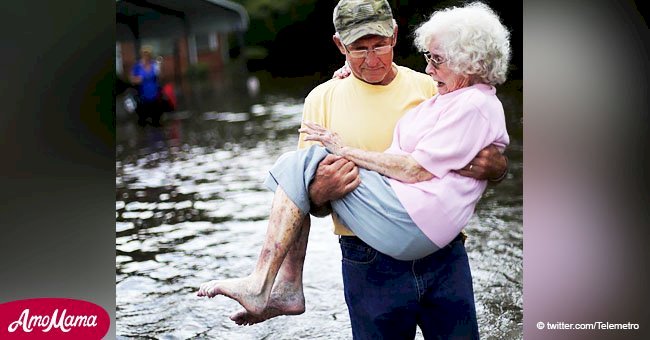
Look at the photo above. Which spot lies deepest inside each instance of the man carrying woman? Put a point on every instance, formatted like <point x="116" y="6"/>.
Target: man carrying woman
<point x="406" y="264"/>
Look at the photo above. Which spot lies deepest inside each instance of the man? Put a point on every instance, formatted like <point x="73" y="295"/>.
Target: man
<point x="386" y="297"/>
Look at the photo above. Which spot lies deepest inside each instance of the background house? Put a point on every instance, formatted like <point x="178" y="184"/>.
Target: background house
<point x="184" y="33"/>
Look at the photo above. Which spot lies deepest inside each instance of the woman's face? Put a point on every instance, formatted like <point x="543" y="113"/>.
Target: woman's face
<point x="146" y="55"/>
<point x="437" y="68"/>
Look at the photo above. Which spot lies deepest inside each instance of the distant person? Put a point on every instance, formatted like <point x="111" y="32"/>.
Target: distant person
<point x="407" y="264"/>
<point x="144" y="76"/>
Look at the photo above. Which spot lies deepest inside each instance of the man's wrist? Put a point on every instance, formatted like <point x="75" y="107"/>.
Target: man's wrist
<point x="503" y="175"/>
<point x="313" y="201"/>
<point x="320" y="210"/>
<point x="315" y="193"/>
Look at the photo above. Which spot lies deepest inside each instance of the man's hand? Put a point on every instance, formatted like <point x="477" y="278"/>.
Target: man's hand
<point x="335" y="177"/>
<point x="489" y="164"/>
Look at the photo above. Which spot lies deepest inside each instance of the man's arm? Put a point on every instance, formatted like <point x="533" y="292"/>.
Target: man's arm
<point x="335" y="178"/>
<point x="489" y="164"/>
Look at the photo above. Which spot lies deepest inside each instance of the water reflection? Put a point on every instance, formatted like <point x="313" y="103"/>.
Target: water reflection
<point x="190" y="207"/>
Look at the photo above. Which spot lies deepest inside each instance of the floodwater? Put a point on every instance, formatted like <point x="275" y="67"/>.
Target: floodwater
<point x="191" y="207"/>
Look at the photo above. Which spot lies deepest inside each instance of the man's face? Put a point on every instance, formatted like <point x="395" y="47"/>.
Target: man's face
<point x="376" y="66"/>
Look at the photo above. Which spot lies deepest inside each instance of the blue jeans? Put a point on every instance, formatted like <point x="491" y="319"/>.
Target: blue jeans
<point x="387" y="298"/>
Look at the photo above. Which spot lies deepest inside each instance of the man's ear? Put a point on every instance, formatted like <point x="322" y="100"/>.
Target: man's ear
<point x="338" y="43"/>
<point x="395" y="33"/>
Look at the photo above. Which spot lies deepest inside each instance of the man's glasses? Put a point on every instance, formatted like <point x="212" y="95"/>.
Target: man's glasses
<point x="381" y="50"/>
<point x="434" y="59"/>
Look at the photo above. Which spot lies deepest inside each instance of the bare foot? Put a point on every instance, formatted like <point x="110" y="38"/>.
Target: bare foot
<point x="243" y="290"/>
<point x="285" y="300"/>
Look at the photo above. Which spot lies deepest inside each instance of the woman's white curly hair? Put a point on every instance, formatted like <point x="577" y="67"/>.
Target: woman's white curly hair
<point x="474" y="40"/>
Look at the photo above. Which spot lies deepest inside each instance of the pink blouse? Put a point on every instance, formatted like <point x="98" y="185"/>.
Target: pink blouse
<point x="443" y="134"/>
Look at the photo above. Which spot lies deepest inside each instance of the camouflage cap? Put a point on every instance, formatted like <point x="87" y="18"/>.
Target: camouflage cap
<point x="354" y="19"/>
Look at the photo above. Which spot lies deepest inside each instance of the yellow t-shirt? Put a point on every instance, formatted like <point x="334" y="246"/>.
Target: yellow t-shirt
<point x="365" y="115"/>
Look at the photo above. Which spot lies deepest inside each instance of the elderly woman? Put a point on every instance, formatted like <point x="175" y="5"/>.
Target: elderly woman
<point x="410" y="202"/>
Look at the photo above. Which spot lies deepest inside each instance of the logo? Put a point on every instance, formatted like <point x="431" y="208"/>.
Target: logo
<point x="54" y="318"/>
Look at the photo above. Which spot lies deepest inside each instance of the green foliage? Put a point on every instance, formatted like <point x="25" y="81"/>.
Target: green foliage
<point x="255" y="52"/>
<point x="268" y="17"/>
<point x="197" y="71"/>
<point x="262" y="9"/>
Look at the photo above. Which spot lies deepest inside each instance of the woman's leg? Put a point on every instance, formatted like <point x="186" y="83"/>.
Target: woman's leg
<point x="287" y="296"/>
<point x="253" y="291"/>
<point x="293" y="172"/>
<point x="375" y="215"/>
<point x="283" y="253"/>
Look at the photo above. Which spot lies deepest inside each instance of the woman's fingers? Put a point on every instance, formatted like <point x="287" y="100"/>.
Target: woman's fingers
<point x="318" y="138"/>
<point x="309" y="127"/>
<point x="317" y="133"/>
<point x="313" y="129"/>
<point x="308" y="130"/>
<point x="311" y="133"/>
<point x="314" y="126"/>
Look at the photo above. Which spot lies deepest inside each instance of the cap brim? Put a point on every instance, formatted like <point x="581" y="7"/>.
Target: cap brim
<point x="381" y="28"/>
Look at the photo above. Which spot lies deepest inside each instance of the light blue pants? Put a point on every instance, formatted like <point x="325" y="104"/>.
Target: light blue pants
<point x="372" y="211"/>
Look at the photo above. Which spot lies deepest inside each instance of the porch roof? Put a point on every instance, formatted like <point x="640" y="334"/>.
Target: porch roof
<point x="146" y="19"/>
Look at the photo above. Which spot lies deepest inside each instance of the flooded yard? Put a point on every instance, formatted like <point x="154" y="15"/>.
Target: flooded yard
<point x="191" y="207"/>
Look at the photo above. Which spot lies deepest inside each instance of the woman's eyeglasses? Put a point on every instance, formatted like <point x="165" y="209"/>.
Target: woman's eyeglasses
<point x="434" y="59"/>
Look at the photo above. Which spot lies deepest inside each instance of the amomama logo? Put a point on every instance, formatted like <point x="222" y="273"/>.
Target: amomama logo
<point x="52" y="318"/>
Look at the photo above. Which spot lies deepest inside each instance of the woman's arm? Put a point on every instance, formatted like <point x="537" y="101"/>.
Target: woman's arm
<point x="135" y="80"/>
<point x="403" y="168"/>
<point x="135" y="77"/>
<point x="400" y="167"/>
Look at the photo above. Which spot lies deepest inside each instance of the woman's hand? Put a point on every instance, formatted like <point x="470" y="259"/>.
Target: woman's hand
<point x="330" y="140"/>
<point x="343" y="72"/>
